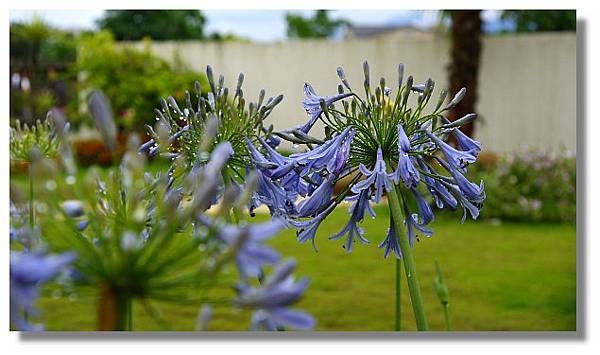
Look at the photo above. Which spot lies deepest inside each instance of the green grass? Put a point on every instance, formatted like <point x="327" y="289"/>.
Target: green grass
<point x="501" y="277"/>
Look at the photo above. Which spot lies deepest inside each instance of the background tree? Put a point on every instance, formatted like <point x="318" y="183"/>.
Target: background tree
<point x="542" y="20"/>
<point x="320" y="25"/>
<point x="465" y="31"/>
<point x="133" y="25"/>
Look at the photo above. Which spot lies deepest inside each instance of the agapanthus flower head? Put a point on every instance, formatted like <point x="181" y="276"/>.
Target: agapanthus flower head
<point x="43" y="136"/>
<point x="379" y="143"/>
<point x="140" y="230"/>
<point x="220" y="115"/>
<point x="20" y="231"/>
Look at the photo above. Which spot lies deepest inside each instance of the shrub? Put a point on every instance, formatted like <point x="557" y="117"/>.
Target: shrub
<point x="133" y="80"/>
<point x="532" y="186"/>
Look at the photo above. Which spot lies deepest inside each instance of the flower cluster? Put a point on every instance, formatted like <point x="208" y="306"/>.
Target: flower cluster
<point x="221" y="116"/>
<point x="383" y="145"/>
<point x="44" y="136"/>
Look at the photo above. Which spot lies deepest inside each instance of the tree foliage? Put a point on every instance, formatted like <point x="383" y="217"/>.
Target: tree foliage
<point x="542" y="20"/>
<point x="133" y="25"/>
<point x="320" y="25"/>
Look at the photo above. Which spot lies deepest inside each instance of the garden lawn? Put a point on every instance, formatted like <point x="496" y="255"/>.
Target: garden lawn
<point x="500" y="276"/>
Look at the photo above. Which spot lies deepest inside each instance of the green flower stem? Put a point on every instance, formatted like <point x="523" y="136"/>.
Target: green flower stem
<point x="31" y="216"/>
<point x="31" y="198"/>
<point x="447" y="317"/>
<point x="114" y="309"/>
<point x="398" y="294"/>
<point x="409" y="261"/>
<point x="128" y="313"/>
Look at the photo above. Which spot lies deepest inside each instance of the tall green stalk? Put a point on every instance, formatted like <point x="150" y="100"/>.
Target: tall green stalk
<point x="409" y="261"/>
<point x="127" y="309"/>
<point x="398" y="294"/>
<point x="31" y="198"/>
<point x="31" y="217"/>
<point x="447" y="317"/>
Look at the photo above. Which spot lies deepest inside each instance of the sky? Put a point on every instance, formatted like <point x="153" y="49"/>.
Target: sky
<point x="258" y="25"/>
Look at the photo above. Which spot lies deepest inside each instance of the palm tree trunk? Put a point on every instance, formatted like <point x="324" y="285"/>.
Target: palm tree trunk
<point x="464" y="67"/>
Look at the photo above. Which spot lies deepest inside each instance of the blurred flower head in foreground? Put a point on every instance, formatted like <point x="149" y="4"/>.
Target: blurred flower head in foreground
<point x="140" y="235"/>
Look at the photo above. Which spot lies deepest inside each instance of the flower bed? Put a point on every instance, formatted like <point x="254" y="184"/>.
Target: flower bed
<point x="532" y="186"/>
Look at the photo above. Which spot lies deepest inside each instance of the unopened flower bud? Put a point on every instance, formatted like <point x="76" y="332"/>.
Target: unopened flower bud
<point x="239" y="83"/>
<point x="440" y="287"/>
<point x="456" y="99"/>
<point x="466" y="119"/>
<point x="400" y="74"/>
<point x="211" y="79"/>
<point x="367" y="74"/>
<point x="342" y="75"/>
<point x="73" y="208"/>
<point x="101" y="112"/>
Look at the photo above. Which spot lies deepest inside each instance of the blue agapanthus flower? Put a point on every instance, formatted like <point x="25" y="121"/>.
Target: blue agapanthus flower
<point x="378" y="178"/>
<point x="312" y="105"/>
<point x="307" y="229"/>
<point x="458" y="159"/>
<point x="319" y="200"/>
<point x="330" y="156"/>
<point x="357" y="214"/>
<point x="465" y="142"/>
<point x="406" y="170"/>
<point x="272" y="299"/>
<point x="377" y="145"/>
<point x="28" y="272"/>
<point x="390" y="243"/>
<point x="252" y="254"/>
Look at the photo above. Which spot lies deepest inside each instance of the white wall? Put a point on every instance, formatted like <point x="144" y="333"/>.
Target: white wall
<point x="527" y="88"/>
